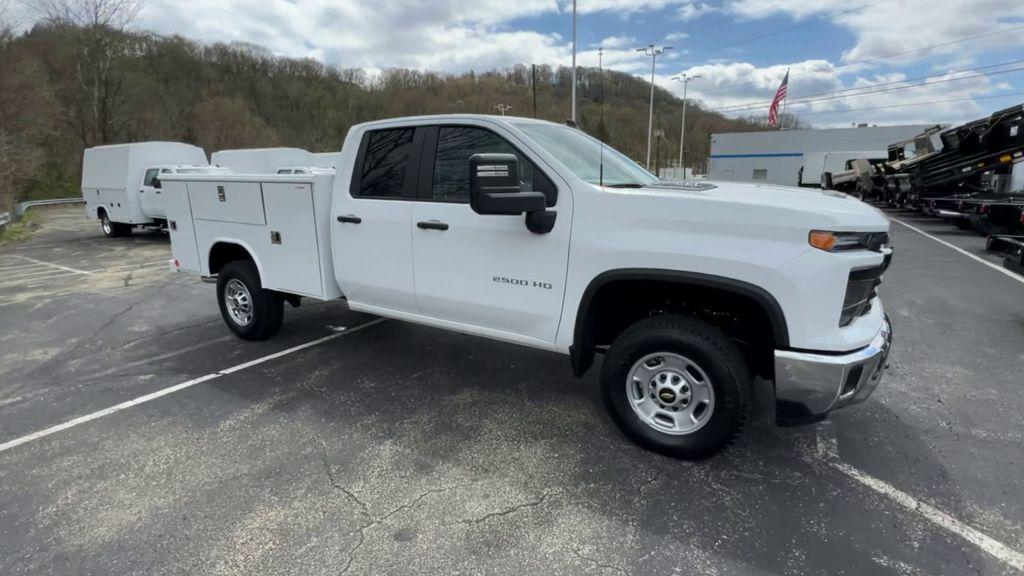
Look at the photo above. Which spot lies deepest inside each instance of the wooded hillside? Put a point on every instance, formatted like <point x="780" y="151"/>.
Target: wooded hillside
<point x="65" y="86"/>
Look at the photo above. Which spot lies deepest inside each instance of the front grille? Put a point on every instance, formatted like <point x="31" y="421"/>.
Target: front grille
<point x="860" y="290"/>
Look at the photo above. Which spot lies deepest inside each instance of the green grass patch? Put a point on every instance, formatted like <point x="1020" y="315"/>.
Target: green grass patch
<point x="20" y="230"/>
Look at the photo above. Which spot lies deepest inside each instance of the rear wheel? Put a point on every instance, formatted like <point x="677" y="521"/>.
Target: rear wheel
<point x="250" y="311"/>
<point x="677" y="385"/>
<point x="113" y="229"/>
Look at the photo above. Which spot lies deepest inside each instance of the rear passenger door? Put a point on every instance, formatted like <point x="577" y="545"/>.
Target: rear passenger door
<point x="488" y="273"/>
<point x="371" y="238"/>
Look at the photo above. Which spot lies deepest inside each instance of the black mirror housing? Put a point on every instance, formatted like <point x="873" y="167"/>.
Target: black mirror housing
<point x="494" y="186"/>
<point x="157" y="184"/>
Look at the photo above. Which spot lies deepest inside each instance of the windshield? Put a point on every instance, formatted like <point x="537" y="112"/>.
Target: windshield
<point x="582" y="154"/>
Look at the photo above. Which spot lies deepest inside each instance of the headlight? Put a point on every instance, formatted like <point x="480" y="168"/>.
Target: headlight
<point x="840" y="241"/>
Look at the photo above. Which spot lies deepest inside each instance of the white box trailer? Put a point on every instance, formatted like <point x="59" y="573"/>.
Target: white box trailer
<point x="120" y="181"/>
<point x="261" y="160"/>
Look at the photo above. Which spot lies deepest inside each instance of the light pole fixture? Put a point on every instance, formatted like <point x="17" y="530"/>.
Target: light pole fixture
<point x="502" y="108"/>
<point x="685" y="79"/>
<point x="652" y="51"/>
<point x="573" y="112"/>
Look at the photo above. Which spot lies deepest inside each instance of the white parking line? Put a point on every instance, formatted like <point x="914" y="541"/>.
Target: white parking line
<point x="999" y="269"/>
<point x="828" y="451"/>
<point x="75" y="270"/>
<point x="177" y="387"/>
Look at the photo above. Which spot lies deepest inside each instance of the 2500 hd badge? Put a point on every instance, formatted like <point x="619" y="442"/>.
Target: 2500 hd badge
<point x="521" y="282"/>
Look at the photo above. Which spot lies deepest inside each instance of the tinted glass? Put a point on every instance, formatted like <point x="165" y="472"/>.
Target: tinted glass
<point x="455" y="144"/>
<point x="150" y="175"/>
<point x="385" y="163"/>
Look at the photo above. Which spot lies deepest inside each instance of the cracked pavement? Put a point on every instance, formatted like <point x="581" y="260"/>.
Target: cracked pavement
<point x="401" y="449"/>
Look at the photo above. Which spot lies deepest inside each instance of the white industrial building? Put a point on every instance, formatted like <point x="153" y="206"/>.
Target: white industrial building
<point x="794" y="157"/>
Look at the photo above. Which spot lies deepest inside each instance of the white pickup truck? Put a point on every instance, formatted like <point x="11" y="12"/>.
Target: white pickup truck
<point x="534" y="233"/>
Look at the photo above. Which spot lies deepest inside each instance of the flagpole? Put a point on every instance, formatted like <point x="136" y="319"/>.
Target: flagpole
<point x="782" y="119"/>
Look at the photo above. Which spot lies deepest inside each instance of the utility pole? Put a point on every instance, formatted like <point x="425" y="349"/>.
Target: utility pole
<point x="503" y="108"/>
<point x="573" y="116"/>
<point x="685" y="79"/>
<point x="653" y="52"/>
<point x="534" y="69"/>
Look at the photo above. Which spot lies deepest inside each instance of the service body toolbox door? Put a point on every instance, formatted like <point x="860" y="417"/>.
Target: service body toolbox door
<point x="292" y="257"/>
<point x="181" y="227"/>
<point x="487" y="271"/>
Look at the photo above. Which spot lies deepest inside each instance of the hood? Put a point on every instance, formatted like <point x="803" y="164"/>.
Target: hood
<point x="841" y="212"/>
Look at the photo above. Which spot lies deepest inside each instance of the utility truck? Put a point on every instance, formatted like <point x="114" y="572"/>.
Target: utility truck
<point x="537" y="234"/>
<point x="121" y="186"/>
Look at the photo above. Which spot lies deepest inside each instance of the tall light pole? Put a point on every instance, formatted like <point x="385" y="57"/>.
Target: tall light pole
<point x="685" y="79"/>
<point x="653" y="52"/>
<point x="600" y="71"/>
<point x="573" y="116"/>
<point x="503" y="108"/>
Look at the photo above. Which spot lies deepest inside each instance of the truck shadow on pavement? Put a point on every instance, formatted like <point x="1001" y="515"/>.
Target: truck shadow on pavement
<point x="481" y="438"/>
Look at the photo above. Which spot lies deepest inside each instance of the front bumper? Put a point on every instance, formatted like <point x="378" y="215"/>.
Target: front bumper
<point x="809" y="385"/>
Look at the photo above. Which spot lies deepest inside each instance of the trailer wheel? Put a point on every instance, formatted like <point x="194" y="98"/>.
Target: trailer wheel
<point x="250" y="311"/>
<point x="677" y="385"/>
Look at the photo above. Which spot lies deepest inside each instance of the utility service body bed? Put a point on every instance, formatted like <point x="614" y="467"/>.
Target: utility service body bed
<point x="283" y="221"/>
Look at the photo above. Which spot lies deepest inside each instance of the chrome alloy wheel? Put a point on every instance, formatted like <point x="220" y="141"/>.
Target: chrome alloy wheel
<point x="238" y="301"/>
<point x="107" y="227"/>
<point x="670" y="393"/>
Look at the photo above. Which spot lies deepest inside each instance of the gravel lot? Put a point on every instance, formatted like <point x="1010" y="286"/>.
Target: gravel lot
<point x="391" y="448"/>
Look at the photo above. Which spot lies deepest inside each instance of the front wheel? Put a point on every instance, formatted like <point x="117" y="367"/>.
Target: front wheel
<point x="677" y="385"/>
<point x="250" y="311"/>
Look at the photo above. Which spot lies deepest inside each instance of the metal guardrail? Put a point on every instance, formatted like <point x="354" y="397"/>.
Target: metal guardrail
<point x="21" y="207"/>
<point x="5" y="219"/>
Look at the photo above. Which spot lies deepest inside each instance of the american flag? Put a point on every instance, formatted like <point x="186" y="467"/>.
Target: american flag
<point x="780" y="95"/>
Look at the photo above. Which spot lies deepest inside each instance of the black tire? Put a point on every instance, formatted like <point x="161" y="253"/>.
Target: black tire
<point x="110" y="229"/>
<point x="267" y="307"/>
<point x="113" y="229"/>
<point x="701" y="343"/>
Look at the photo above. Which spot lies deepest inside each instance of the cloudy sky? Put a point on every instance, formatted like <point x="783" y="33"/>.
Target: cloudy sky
<point x="970" y="53"/>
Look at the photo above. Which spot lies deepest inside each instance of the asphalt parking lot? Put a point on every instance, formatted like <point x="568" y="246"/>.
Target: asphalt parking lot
<point x="390" y="448"/>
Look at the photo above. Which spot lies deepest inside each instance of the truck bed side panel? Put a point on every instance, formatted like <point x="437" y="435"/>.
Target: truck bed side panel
<point x="181" y="227"/>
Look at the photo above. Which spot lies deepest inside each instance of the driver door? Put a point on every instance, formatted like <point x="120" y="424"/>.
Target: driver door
<point x="487" y="273"/>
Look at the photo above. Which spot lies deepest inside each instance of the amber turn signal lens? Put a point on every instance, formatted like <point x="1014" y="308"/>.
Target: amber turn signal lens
<point x="822" y="240"/>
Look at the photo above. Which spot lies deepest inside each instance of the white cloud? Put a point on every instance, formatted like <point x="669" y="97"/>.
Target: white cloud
<point x="886" y="28"/>
<point x="618" y="42"/>
<point x="676" y="36"/>
<point x="693" y="10"/>
<point x="729" y="86"/>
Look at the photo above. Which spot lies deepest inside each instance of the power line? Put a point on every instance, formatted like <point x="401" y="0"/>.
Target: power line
<point x="877" y="58"/>
<point x="912" y="104"/>
<point x="875" y="88"/>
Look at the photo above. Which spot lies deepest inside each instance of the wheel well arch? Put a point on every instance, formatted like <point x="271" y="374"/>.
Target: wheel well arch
<point x="616" y="299"/>
<point x="100" y="212"/>
<point x="224" y="251"/>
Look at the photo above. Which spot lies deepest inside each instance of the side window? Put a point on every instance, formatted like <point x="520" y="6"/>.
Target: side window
<point x="150" y="175"/>
<point x="455" y="144"/>
<point x="385" y="163"/>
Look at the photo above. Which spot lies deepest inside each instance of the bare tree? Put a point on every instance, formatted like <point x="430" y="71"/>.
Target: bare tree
<point x="96" y="30"/>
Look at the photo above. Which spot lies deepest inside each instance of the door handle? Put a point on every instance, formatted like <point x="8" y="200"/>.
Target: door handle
<point x="350" y="219"/>
<point x="432" y="225"/>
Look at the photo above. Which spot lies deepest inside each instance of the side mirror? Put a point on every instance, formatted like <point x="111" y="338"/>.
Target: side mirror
<point x="494" y="186"/>
<point x="156" y="182"/>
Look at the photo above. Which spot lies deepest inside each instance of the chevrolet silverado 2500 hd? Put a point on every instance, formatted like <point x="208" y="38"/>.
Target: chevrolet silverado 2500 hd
<point x="534" y="233"/>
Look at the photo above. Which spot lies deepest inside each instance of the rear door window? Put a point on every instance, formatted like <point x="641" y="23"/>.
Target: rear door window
<point x="384" y="172"/>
